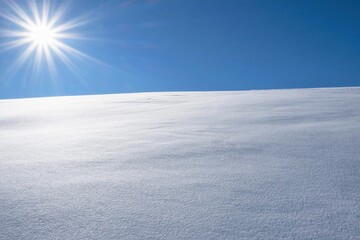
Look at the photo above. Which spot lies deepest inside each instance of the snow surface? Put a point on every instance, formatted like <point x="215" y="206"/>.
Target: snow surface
<point x="211" y="165"/>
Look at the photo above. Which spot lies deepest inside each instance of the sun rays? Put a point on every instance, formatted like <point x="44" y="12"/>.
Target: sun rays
<point x="42" y="33"/>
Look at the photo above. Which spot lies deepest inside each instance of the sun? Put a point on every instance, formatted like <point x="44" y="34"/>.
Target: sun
<point x="43" y="32"/>
<point x="42" y="35"/>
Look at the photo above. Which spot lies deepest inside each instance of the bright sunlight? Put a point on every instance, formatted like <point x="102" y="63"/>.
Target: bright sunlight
<point x="43" y="36"/>
<point x="43" y="32"/>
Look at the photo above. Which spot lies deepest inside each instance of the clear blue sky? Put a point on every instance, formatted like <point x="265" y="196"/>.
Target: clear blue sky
<point x="191" y="45"/>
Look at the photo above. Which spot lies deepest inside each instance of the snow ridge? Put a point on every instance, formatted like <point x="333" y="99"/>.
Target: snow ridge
<point x="281" y="164"/>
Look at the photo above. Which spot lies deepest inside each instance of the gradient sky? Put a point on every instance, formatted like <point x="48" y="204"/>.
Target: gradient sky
<point x="191" y="45"/>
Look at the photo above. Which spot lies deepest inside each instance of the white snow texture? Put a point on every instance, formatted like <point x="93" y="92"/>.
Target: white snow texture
<point x="279" y="164"/>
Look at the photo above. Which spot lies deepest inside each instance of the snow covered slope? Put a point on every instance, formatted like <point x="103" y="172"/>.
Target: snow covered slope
<point x="212" y="165"/>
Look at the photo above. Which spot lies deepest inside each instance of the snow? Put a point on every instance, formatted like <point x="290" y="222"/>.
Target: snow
<point x="182" y="165"/>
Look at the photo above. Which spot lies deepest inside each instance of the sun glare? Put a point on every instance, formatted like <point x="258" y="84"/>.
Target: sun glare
<point x="42" y="35"/>
<point x="43" y="32"/>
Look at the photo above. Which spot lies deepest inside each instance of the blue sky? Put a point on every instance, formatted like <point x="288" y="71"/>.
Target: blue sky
<point x="196" y="45"/>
